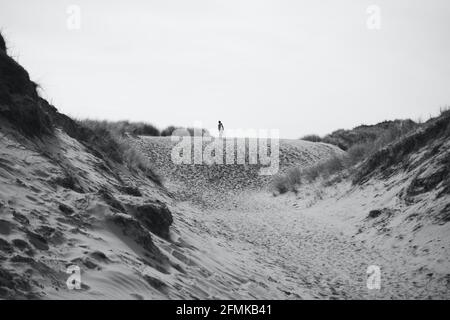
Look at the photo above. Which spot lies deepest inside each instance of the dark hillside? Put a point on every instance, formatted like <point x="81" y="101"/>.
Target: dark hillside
<point x="345" y="139"/>
<point x="427" y="145"/>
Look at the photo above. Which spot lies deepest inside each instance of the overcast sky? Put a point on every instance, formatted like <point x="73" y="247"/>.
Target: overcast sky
<point x="297" y="66"/>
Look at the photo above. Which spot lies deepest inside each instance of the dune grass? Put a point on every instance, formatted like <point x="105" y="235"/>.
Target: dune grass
<point x="189" y="131"/>
<point x="124" y="127"/>
<point x="312" y="138"/>
<point x="325" y="170"/>
<point x="112" y="139"/>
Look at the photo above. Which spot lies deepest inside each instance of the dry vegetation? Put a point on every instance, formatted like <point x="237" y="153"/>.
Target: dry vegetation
<point x="19" y="101"/>
<point x="184" y="131"/>
<point x="345" y="139"/>
<point x="360" y="144"/>
<point x="124" y="127"/>
<point x="143" y="128"/>
<point x="112" y="139"/>
<point x="312" y="138"/>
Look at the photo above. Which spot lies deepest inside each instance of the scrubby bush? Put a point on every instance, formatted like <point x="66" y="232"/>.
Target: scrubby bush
<point x="345" y="139"/>
<point x="143" y="129"/>
<point x="294" y="176"/>
<point x="385" y="159"/>
<point x="358" y="152"/>
<point x="312" y="173"/>
<point x="312" y="138"/>
<point x="168" y="131"/>
<point x="281" y="184"/>
<point x="288" y="181"/>
<point x="392" y="134"/>
<point x="123" y="127"/>
<point x="360" y="146"/>
<point x="332" y="166"/>
<point x="183" y="131"/>
<point x="102" y="137"/>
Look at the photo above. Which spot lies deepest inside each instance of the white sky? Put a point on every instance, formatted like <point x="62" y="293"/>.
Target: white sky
<point x="297" y="66"/>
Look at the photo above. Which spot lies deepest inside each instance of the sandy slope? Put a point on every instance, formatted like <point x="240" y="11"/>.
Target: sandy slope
<point x="48" y="224"/>
<point x="230" y="237"/>
<point x="213" y="231"/>
<point x="313" y="245"/>
<point x="212" y="184"/>
<point x="413" y="254"/>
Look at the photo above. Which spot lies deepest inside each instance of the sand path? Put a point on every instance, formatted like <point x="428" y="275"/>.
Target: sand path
<point x="283" y="252"/>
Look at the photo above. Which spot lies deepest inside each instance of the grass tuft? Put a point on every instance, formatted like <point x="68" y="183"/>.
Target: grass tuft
<point x="312" y="138"/>
<point x="113" y="141"/>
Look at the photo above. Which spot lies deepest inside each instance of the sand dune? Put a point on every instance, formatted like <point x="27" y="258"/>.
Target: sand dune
<point x="311" y="245"/>
<point x="219" y="232"/>
<point x="83" y="215"/>
<point x="196" y="181"/>
<point x="47" y="225"/>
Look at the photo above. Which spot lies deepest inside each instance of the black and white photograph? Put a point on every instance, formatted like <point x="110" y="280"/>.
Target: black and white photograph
<point x="224" y="150"/>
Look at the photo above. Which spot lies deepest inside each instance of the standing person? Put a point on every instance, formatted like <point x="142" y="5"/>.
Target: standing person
<point x="221" y="129"/>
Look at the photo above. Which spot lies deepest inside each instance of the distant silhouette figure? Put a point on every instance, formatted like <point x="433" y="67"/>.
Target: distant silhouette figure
<point x="221" y="129"/>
